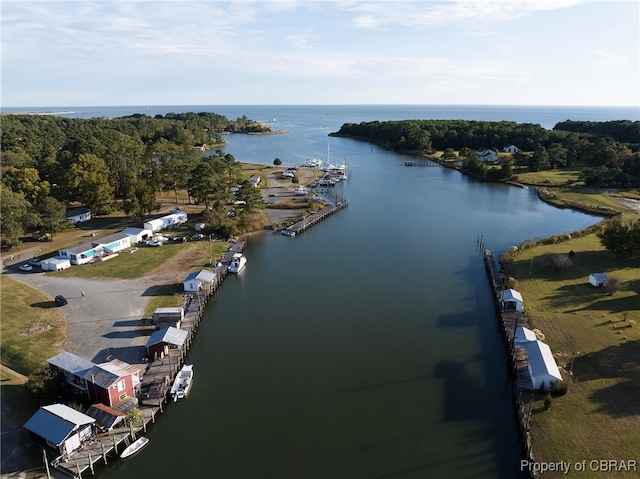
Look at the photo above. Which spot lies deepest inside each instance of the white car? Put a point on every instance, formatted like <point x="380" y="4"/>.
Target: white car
<point x="26" y="267"/>
<point x="154" y="243"/>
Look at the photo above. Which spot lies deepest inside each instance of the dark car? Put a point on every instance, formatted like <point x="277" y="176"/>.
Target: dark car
<point x="61" y="300"/>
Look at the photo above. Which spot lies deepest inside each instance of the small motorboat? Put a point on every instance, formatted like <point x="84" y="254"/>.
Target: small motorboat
<point x="134" y="447"/>
<point x="182" y="382"/>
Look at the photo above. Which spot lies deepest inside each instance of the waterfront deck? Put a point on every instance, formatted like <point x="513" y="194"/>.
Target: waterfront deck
<point x="315" y="218"/>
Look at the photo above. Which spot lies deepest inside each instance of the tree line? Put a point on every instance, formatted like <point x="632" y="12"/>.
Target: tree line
<point x="608" y="150"/>
<point x="50" y="161"/>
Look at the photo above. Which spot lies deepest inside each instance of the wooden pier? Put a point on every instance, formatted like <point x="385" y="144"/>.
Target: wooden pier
<point x="315" y="218"/>
<point x="508" y="322"/>
<point x="430" y="163"/>
<point x="155" y="383"/>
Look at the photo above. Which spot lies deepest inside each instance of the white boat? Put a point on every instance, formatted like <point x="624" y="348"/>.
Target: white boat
<point x="134" y="447"/>
<point x="288" y="232"/>
<point x="300" y="191"/>
<point x="182" y="382"/>
<point x="238" y="261"/>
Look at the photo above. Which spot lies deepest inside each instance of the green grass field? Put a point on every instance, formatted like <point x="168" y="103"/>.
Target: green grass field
<point x="599" y="418"/>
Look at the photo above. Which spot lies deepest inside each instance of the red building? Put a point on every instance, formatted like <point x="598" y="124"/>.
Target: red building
<point x="110" y="383"/>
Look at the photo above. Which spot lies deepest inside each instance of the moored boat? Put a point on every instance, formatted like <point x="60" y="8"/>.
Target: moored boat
<point x="182" y="383"/>
<point x="238" y="261"/>
<point x="288" y="232"/>
<point x="134" y="447"/>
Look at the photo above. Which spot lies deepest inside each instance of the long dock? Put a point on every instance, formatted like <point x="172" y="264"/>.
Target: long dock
<point x="429" y="163"/>
<point x="154" y="386"/>
<point x="517" y="360"/>
<point x="314" y="218"/>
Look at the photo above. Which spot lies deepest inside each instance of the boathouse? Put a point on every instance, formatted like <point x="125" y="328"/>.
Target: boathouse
<point x="106" y="417"/>
<point x="542" y="367"/>
<point x="168" y="317"/>
<point x="165" y="339"/>
<point x="199" y="280"/>
<point x="512" y="300"/>
<point x="60" y="427"/>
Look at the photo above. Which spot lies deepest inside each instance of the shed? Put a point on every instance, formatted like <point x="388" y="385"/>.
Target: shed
<point x="524" y="335"/>
<point x="164" y="339"/>
<point x="199" y="280"/>
<point x="78" y="215"/>
<point x="168" y="316"/>
<point x="543" y="369"/>
<point x="60" y="427"/>
<point x="598" y="279"/>
<point x="137" y="235"/>
<point x="55" y="264"/>
<point x="106" y="417"/>
<point x="510" y="149"/>
<point x="512" y="300"/>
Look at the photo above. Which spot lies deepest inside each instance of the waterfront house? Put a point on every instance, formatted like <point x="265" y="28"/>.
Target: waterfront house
<point x="512" y="300"/>
<point x="72" y="368"/>
<point x="111" y="382"/>
<point x="168" y="317"/>
<point x="137" y="235"/>
<point x="488" y="156"/>
<point x="78" y="215"/>
<point x="510" y="149"/>
<point x="106" y="417"/>
<point x="165" y="339"/>
<point x="60" y="427"/>
<point x="598" y="279"/>
<point x="199" y="280"/>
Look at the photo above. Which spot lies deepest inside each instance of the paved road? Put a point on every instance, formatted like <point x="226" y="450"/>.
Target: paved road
<point x="105" y="322"/>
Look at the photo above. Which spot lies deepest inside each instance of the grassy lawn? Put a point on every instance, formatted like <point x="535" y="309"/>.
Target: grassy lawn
<point x="556" y="177"/>
<point x="32" y="328"/>
<point x="603" y="399"/>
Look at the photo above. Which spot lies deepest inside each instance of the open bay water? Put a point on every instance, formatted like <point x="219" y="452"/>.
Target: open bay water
<point x="366" y="347"/>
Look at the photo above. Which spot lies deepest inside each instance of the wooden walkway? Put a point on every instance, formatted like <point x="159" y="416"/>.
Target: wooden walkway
<point x="155" y="384"/>
<point x="421" y="163"/>
<point x="314" y="218"/>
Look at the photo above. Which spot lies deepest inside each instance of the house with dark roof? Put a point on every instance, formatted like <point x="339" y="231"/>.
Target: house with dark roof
<point x="97" y="248"/>
<point x="78" y="215"/>
<point x="60" y="427"/>
<point x="106" y="417"/>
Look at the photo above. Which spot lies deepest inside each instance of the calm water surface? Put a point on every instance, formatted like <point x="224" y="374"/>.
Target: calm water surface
<point x="366" y="347"/>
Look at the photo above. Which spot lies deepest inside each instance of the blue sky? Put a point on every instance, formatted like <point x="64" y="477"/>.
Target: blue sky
<point x="189" y="52"/>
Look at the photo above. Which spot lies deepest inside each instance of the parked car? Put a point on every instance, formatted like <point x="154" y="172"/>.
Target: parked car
<point x="60" y="300"/>
<point x="197" y="236"/>
<point x="35" y="262"/>
<point x="154" y="243"/>
<point x="26" y="267"/>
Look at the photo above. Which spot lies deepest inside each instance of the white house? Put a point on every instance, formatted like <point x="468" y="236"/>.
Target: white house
<point x="488" y="156"/>
<point x="78" y="215"/>
<point x="153" y="225"/>
<point x="254" y="180"/>
<point x="198" y="280"/>
<point x="97" y="248"/>
<point x="512" y="300"/>
<point x="60" y="427"/>
<point x="137" y="235"/>
<point x="510" y="149"/>
<point x="598" y="279"/>
<point x="55" y="264"/>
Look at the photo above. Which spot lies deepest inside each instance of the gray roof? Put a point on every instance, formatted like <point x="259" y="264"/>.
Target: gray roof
<point x="105" y="415"/>
<point x="109" y="238"/>
<point x="202" y="275"/>
<point x="89" y="245"/>
<point x="79" y="248"/>
<point x="76" y="212"/>
<point x="56" y="422"/>
<point x="169" y="335"/>
<point x="70" y="362"/>
<point x="106" y="374"/>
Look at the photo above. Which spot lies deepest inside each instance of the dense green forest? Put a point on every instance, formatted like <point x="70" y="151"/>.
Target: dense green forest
<point x="608" y="150"/>
<point x="49" y="162"/>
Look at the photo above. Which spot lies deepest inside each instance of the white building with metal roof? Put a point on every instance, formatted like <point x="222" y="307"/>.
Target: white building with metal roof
<point x="60" y="427"/>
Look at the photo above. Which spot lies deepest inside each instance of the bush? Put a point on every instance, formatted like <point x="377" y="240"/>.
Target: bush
<point x="548" y="399"/>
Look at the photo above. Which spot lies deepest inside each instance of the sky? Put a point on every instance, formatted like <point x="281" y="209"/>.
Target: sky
<point x="190" y="52"/>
